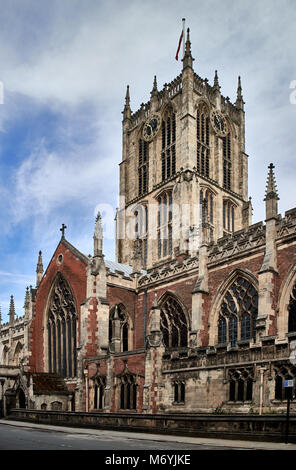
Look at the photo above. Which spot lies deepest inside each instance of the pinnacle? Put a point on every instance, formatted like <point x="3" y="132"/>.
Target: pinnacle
<point x="271" y="188"/>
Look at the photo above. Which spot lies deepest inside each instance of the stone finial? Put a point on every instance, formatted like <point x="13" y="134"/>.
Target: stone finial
<point x="98" y="236"/>
<point x="271" y="195"/>
<point x="127" y="109"/>
<point x="239" y="100"/>
<point x="39" y="269"/>
<point x="187" y="59"/>
<point x="11" y="312"/>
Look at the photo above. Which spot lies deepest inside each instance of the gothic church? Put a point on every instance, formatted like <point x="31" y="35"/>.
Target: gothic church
<point x="198" y="313"/>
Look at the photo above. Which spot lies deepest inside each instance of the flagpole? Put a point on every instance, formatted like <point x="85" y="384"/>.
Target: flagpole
<point x="183" y="19"/>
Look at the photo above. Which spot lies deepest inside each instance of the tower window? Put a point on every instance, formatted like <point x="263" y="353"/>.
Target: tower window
<point x="203" y="141"/>
<point x="207" y="206"/>
<point x="141" y="231"/>
<point x="143" y="167"/>
<point x="227" y="162"/>
<point x="168" y="146"/>
<point x="228" y="216"/>
<point x="164" y="225"/>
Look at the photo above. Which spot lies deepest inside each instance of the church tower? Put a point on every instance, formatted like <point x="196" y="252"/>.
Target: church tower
<point x="184" y="147"/>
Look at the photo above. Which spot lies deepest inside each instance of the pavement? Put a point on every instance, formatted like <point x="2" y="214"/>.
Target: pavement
<point x="253" y="445"/>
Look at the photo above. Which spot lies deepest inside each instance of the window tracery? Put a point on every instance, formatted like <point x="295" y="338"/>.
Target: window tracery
<point x="173" y="324"/>
<point x="61" y="329"/>
<point x="238" y="312"/>
<point x="203" y="141"/>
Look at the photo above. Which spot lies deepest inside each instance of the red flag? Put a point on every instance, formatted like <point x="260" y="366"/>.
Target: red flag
<point x="180" y="42"/>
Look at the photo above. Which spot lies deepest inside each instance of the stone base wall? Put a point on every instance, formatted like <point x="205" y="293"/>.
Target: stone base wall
<point x="248" y="427"/>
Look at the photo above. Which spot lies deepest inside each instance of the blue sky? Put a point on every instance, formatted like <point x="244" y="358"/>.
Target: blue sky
<point x="64" y="68"/>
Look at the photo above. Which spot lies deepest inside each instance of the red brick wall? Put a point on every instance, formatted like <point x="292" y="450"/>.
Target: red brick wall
<point x="74" y="271"/>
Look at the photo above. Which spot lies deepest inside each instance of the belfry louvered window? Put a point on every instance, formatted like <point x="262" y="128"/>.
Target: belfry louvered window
<point x="143" y="167"/>
<point x="168" y="146"/>
<point x="292" y="311"/>
<point x="238" y="313"/>
<point x="61" y="330"/>
<point x="203" y="141"/>
<point x="227" y="172"/>
<point x="164" y="225"/>
<point x="173" y="324"/>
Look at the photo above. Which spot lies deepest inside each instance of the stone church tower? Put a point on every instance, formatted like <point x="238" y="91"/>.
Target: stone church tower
<point x="186" y="145"/>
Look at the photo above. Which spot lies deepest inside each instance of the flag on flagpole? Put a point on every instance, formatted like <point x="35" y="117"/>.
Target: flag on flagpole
<point x="179" y="46"/>
<point x="182" y="38"/>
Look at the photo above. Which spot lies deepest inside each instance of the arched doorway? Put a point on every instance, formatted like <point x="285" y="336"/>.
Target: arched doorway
<point x="21" y="399"/>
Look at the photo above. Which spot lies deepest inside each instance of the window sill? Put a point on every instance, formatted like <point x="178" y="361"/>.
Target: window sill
<point x="178" y="403"/>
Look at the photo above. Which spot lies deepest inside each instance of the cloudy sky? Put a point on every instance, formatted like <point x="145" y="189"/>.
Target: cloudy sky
<point x="65" y="65"/>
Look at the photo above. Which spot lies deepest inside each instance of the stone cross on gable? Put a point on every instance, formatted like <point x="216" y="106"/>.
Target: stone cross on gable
<point x="62" y="229"/>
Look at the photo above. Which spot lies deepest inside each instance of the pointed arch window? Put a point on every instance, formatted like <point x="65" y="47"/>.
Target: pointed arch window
<point x="143" y="167"/>
<point x="228" y="216"/>
<point x="124" y="327"/>
<point x="168" y="146"/>
<point x="128" y="392"/>
<point x="164" y="224"/>
<point x="203" y="141"/>
<point x="61" y="330"/>
<point x="292" y="311"/>
<point x="227" y="157"/>
<point x="173" y="324"/>
<point x="208" y="207"/>
<point x="99" y="392"/>
<point x="238" y="313"/>
<point x="141" y="231"/>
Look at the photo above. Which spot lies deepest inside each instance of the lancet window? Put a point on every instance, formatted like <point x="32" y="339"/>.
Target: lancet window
<point x="203" y="141"/>
<point x="164" y="224"/>
<point x="207" y="209"/>
<point x="228" y="216"/>
<point x="99" y="392"/>
<point x="168" y="146"/>
<point x="227" y="157"/>
<point x="61" y="330"/>
<point x="238" y="313"/>
<point x="173" y="324"/>
<point x="143" y="167"/>
<point x="141" y="231"/>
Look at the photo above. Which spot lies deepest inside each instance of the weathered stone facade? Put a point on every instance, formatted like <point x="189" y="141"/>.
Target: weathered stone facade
<point x="198" y="313"/>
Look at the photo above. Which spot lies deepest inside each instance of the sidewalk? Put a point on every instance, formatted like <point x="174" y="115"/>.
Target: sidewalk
<point x="157" y="437"/>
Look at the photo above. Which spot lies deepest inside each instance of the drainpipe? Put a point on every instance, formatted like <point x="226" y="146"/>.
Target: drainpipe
<point x="262" y="370"/>
<point x="86" y="389"/>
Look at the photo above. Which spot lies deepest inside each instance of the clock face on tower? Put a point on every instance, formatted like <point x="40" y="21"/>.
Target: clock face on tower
<point x="219" y="123"/>
<point x="151" y="127"/>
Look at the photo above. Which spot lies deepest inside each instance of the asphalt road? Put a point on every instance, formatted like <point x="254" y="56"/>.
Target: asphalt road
<point x="26" y="438"/>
